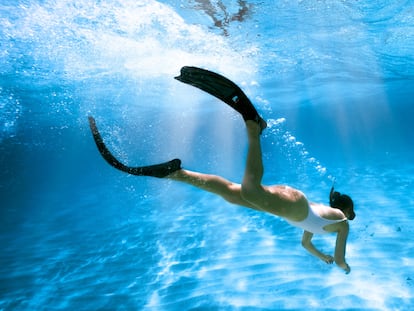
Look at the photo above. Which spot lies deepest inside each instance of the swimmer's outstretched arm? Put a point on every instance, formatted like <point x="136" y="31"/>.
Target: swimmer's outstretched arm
<point x="339" y="256"/>
<point x="308" y="245"/>
<point x="341" y="247"/>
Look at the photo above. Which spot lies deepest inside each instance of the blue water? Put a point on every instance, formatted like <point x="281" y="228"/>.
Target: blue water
<point x="334" y="79"/>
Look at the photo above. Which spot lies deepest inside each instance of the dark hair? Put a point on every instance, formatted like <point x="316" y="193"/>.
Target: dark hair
<point x="342" y="202"/>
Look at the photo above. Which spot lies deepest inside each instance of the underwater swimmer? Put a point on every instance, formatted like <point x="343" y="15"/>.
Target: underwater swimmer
<point x="280" y="200"/>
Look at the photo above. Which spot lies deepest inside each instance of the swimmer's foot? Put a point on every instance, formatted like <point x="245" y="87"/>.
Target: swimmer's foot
<point x="222" y="88"/>
<point x="262" y="123"/>
<point x="158" y="170"/>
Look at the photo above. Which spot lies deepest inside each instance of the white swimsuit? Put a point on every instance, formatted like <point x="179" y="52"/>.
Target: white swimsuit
<point x="313" y="222"/>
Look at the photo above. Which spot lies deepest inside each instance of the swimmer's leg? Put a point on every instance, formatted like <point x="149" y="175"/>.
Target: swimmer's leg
<point x="251" y="185"/>
<point x="229" y="191"/>
<point x="252" y="189"/>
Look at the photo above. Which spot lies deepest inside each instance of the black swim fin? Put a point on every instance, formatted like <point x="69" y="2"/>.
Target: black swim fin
<point x="222" y="88"/>
<point x="158" y="170"/>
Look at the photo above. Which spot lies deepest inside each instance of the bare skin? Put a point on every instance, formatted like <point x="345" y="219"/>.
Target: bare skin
<point x="279" y="200"/>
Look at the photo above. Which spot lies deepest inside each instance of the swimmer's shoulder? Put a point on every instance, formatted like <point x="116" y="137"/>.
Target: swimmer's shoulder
<point x="328" y="212"/>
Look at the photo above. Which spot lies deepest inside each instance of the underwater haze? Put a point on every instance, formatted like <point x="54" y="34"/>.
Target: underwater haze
<point x="335" y="82"/>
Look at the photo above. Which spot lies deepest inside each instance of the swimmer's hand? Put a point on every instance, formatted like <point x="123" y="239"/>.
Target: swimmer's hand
<point x="328" y="259"/>
<point x="345" y="267"/>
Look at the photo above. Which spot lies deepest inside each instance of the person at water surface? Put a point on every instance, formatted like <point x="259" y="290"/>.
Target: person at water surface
<point x="280" y="200"/>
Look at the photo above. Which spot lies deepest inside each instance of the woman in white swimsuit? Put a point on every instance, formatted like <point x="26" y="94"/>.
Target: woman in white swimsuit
<point x="283" y="201"/>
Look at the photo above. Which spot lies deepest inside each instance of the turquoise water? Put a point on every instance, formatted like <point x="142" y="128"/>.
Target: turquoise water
<point x="334" y="79"/>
